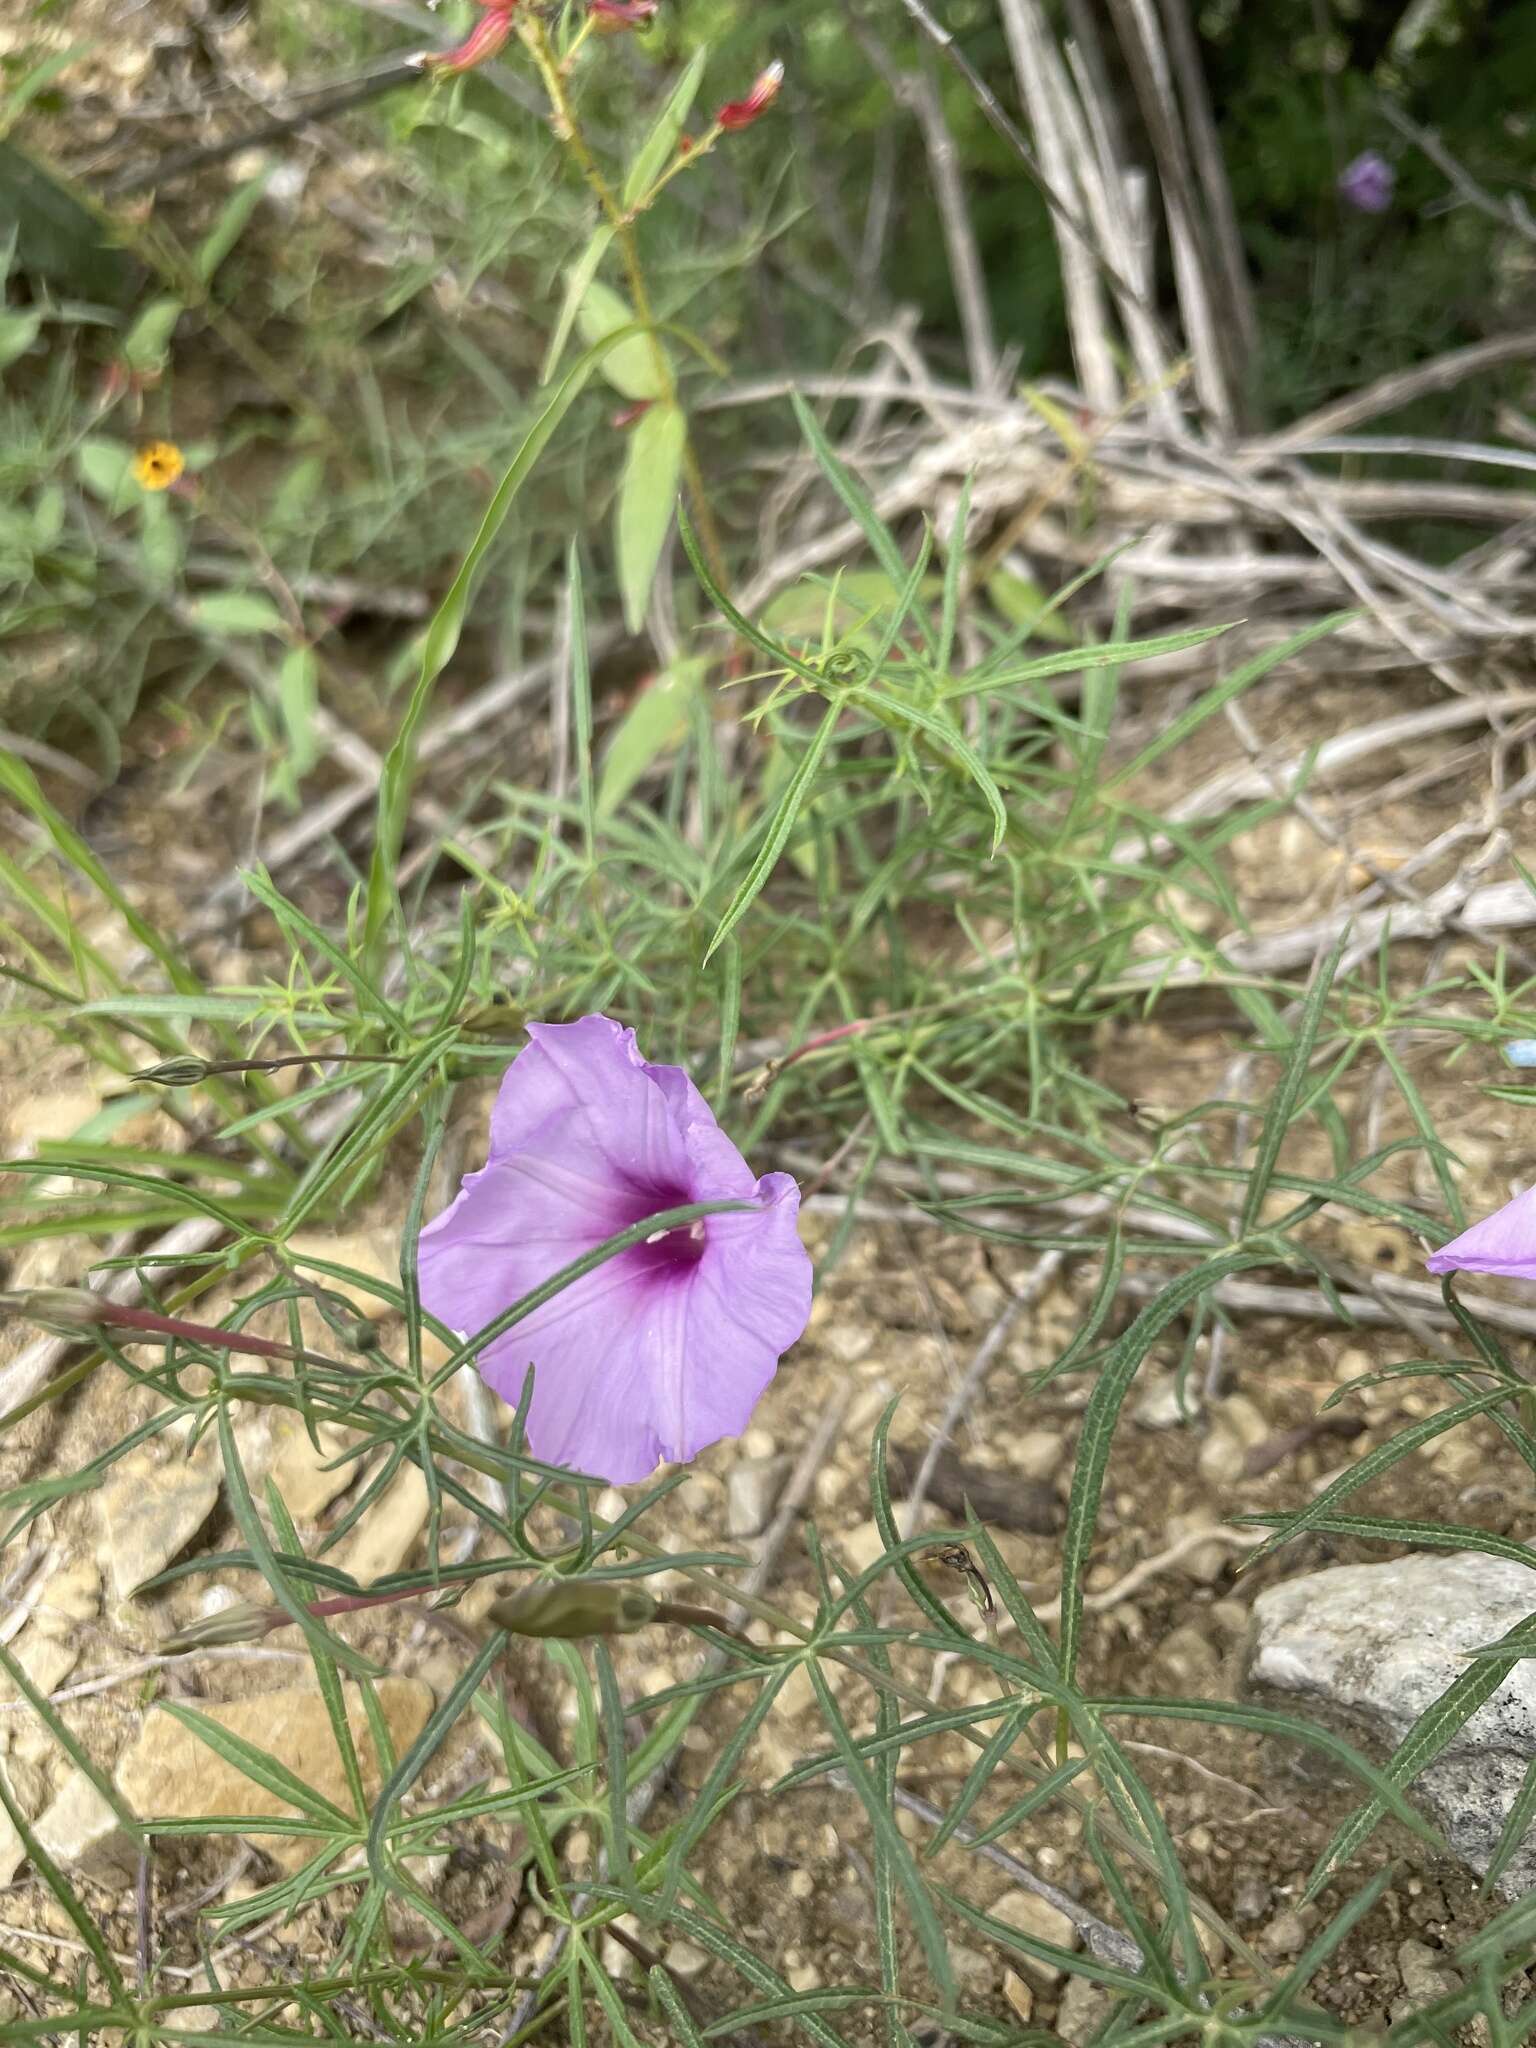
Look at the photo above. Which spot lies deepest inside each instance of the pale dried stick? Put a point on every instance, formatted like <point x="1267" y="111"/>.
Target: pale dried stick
<point x="1217" y="364"/>
<point x="1079" y="256"/>
<point x="916" y="90"/>
<point x="1402" y="387"/>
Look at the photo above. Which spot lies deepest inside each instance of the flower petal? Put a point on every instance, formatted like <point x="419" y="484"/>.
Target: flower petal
<point x="1504" y="1242"/>
<point x="592" y="1071"/>
<point x="637" y="1368"/>
<point x="665" y="1347"/>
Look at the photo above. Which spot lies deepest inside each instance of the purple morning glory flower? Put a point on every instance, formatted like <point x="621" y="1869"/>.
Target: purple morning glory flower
<point x="1367" y="184"/>
<point x="1504" y="1242"/>
<point x="664" y="1348"/>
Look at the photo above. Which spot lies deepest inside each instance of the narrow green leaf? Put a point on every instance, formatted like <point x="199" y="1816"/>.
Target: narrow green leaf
<point x="243" y="1508"/>
<point x="1380" y="1458"/>
<point x="780" y="826"/>
<point x="59" y="1885"/>
<point x="237" y="612"/>
<point x="1517" y="1824"/>
<point x="679" y="2019"/>
<point x="655" y="723"/>
<point x="18" y="331"/>
<point x="1099" y="1422"/>
<point x="647" y="495"/>
<point x="856" y="502"/>
<point x="298" y="700"/>
<point x="1211" y="701"/>
<point x="231" y="223"/>
<point x="1079" y="660"/>
<point x="421" y="1751"/>
<point x="65" y="1737"/>
<point x="578" y="277"/>
<point x="655" y="153"/>
<point x="620" y="1869"/>
<point x="147" y="342"/>
<point x="581" y="695"/>
<point x="442" y="635"/>
<point x="260" y="1766"/>
<point x="930" y="1931"/>
<point x="1286" y="1096"/>
<point x="632" y="365"/>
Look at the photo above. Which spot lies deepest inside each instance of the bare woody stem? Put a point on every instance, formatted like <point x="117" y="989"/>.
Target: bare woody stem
<point x="568" y="134"/>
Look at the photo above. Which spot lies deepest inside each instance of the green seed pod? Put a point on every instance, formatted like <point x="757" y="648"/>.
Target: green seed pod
<point x="573" y="1607"/>
<point x="185" y="1072"/>
<point x="499" y="1018"/>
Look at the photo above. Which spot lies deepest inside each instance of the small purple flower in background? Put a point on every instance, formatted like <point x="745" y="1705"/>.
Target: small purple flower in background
<point x="664" y="1348"/>
<point x="1504" y="1242"/>
<point x="1368" y="183"/>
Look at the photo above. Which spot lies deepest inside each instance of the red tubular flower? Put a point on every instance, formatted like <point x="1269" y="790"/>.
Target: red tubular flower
<point x="623" y="13"/>
<point x="765" y="90"/>
<point x="483" y="41"/>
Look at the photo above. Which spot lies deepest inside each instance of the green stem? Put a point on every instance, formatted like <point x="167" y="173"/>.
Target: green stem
<point x="571" y="139"/>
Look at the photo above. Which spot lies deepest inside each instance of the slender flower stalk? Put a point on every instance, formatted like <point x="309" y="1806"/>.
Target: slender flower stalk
<point x="566" y="1608"/>
<point x="78" y="1312"/>
<point x="568" y="133"/>
<point x="187" y="1070"/>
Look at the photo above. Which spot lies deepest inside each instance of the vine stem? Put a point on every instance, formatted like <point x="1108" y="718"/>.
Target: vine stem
<point x="568" y="133"/>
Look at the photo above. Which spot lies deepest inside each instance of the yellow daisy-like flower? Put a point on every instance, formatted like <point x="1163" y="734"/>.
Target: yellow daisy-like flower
<point x="158" y="464"/>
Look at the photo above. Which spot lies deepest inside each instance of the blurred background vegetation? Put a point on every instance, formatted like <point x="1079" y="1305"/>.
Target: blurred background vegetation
<point x="344" y="332"/>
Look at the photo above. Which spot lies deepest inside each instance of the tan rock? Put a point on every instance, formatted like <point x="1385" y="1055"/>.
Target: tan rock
<point x="1037" y="1917"/>
<point x="151" y="1507"/>
<point x="169" y="1773"/>
<point x="861" y="1546"/>
<point x="1207" y="1561"/>
<point x="1037" y="1454"/>
<point x="1083" y="2010"/>
<point x="306" y="1478"/>
<point x="58" y="1113"/>
<point x="382" y="1540"/>
<point x="45" y="1659"/>
<point x="81" y="1832"/>
<point x="71" y="1595"/>
<point x="974" y="1972"/>
<point x="1019" y="1996"/>
<point x="12" y="1848"/>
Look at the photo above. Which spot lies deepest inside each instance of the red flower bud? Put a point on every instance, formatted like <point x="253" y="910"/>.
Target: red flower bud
<point x="623" y="13"/>
<point x="765" y="90"/>
<point x="483" y="41"/>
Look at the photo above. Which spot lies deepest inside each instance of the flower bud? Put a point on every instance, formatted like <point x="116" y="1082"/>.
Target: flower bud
<point x="573" y="1607"/>
<point x="66" y="1311"/>
<point x="616" y="14"/>
<point x="483" y="41"/>
<point x="184" y="1072"/>
<point x="243" y="1623"/>
<point x="499" y="1018"/>
<point x="765" y="90"/>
